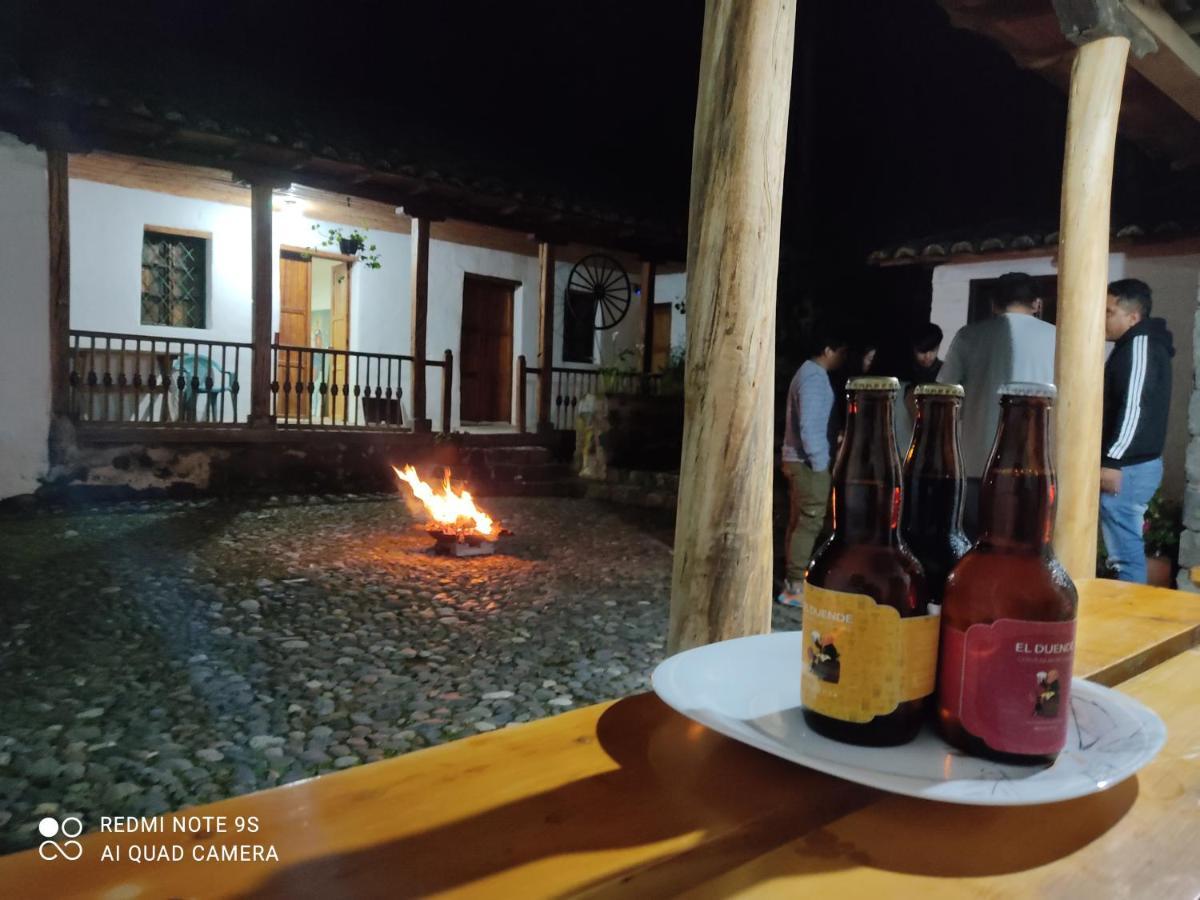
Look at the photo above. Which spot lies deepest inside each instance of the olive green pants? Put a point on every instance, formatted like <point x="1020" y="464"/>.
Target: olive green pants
<point x="808" y="498"/>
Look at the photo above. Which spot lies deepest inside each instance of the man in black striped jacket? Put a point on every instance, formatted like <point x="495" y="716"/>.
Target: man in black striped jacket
<point x="1137" y="395"/>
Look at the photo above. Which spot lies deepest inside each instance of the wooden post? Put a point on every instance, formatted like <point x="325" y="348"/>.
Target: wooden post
<point x="721" y="585"/>
<point x="420" y="317"/>
<point x="545" y="335"/>
<point x="447" y="388"/>
<point x="648" y="271"/>
<point x="522" y="380"/>
<point x="262" y="261"/>
<point x="1095" y="99"/>
<point x="60" y="280"/>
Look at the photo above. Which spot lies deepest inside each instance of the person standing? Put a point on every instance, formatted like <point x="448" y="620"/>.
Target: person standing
<point x="807" y="456"/>
<point x="1013" y="345"/>
<point x="1137" y="395"/>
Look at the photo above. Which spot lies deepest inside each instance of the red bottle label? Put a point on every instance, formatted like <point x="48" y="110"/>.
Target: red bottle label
<point x="1010" y="682"/>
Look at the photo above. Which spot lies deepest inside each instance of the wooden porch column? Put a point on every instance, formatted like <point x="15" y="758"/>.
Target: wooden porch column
<point x="721" y="586"/>
<point x="60" y="280"/>
<point x="262" y="262"/>
<point x="648" y="272"/>
<point x="420" y="318"/>
<point x="545" y="335"/>
<point x="1095" y="99"/>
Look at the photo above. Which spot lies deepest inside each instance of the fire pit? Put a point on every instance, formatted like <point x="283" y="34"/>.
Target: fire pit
<point x="458" y="526"/>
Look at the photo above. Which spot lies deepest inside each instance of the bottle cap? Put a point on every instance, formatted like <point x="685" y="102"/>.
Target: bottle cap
<point x="939" y="390"/>
<point x="873" y="383"/>
<point x="1028" y="389"/>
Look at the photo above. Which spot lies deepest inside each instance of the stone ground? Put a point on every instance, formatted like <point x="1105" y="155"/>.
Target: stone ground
<point x="158" y="655"/>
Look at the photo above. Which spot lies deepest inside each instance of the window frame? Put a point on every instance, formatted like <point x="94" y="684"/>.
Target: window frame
<point x="204" y="238"/>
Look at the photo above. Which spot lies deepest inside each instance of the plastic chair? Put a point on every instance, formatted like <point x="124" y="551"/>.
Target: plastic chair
<point x="197" y="371"/>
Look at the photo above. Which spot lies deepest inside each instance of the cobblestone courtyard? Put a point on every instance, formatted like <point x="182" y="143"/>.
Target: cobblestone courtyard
<point x="158" y="655"/>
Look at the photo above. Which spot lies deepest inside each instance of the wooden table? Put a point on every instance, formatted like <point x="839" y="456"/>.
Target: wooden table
<point x="629" y="799"/>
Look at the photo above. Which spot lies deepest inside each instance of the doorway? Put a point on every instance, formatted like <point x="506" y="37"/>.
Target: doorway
<point x="486" y="349"/>
<point x="660" y="350"/>
<point x="314" y="317"/>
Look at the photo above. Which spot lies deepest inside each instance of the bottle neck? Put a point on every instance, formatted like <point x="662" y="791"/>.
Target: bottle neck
<point x="933" y="495"/>
<point x="1017" y="497"/>
<point x="866" y="478"/>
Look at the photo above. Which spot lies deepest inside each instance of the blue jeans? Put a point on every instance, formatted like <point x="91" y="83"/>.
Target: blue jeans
<point x="1121" y="519"/>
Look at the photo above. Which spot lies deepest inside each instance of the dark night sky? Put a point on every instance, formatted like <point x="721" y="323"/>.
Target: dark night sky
<point x="900" y="124"/>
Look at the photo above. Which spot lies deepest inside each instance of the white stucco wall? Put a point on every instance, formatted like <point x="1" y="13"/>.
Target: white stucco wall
<point x="1174" y="281"/>
<point x="25" y="306"/>
<point x="107" y="226"/>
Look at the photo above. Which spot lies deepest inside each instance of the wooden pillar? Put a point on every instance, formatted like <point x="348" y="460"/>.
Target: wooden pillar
<point x="420" y="318"/>
<point x="545" y="335"/>
<point x="522" y="382"/>
<point x="262" y="262"/>
<point x="648" y="272"/>
<point x="447" y="389"/>
<point x="721" y="585"/>
<point x="60" y="280"/>
<point x="1095" y="99"/>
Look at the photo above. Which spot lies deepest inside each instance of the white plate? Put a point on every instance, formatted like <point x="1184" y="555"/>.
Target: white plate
<point x="749" y="690"/>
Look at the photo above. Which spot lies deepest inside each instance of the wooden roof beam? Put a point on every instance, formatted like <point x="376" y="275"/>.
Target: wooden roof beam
<point x="1175" y="68"/>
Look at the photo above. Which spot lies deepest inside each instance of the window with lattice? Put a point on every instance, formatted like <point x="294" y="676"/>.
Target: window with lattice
<point x="174" y="280"/>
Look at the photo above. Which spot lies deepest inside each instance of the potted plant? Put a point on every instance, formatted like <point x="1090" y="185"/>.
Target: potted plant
<point x="1160" y="532"/>
<point x="349" y="243"/>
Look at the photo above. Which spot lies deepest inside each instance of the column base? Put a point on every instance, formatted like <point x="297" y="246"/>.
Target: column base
<point x="422" y="426"/>
<point x="545" y="428"/>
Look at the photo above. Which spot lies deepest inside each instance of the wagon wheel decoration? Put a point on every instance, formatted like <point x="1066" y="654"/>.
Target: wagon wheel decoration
<point x="603" y="279"/>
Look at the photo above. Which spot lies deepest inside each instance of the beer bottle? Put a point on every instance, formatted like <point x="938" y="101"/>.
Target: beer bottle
<point x="870" y="643"/>
<point x="933" y="486"/>
<point x="1008" y="615"/>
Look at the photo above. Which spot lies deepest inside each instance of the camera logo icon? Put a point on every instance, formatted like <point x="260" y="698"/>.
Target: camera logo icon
<point x="69" y="828"/>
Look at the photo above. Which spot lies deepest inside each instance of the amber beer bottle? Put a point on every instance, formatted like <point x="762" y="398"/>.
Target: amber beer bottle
<point x="870" y="643"/>
<point x="933" y="486"/>
<point x="1008" y="616"/>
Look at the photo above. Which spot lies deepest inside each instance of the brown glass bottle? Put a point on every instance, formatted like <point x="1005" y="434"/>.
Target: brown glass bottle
<point x="1008" y="614"/>
<point x="934" y="487"/>
<point x="863" y="583"/>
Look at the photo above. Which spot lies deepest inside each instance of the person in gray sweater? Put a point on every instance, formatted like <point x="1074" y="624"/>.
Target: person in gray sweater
<point x="1013" y="345"/>
<point x="807" y="458"/>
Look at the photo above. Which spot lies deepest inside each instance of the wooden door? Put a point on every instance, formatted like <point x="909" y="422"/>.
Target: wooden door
<point x="660" y="353"/>
<point x="295" y="304"/>
<point x="485" y="351"/>
<point x="339" y="339"/>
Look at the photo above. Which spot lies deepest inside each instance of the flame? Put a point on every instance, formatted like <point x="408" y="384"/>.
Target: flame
<point x="448" y="508"/>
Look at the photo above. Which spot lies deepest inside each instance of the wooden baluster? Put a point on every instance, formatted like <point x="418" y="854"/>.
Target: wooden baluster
<point x="221" y="404"/>
<point x="399" y="386"/>
<point x="108" y="379"/>
<point x="209" y="383"/>
<point x="121" y="382"/>
<point x="287" y="385"/>
<point x="233" y="387"/>
<point x="73" y="375"/>
<point x="195" y="381"/>
<point x="357" y="386"/>
<point x="91" y="378"/>
<point x="447" y="387"/>
<point x="346" y="389"/>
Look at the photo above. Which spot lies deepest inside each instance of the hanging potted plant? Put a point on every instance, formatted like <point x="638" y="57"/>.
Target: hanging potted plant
<point x="349" y="243"/>
<point x="1160" y="532"/>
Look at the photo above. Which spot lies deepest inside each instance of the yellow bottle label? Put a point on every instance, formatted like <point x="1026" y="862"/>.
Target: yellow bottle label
<point x="861" y="659"/>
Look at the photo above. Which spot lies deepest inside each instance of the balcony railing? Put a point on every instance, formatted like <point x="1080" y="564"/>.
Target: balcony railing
<point x="130" y="379"/>
<point x="323" y="388"/>
<point x="569" y="386"/>
<point x="118" y="378"/>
